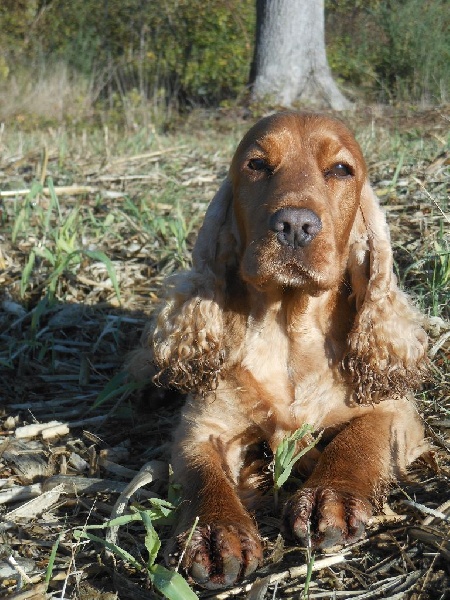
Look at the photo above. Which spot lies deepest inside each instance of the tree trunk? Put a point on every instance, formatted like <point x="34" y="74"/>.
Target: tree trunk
<point x="290" y="64"/>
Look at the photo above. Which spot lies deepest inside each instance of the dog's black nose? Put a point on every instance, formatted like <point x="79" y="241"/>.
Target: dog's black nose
<point x="295" y="227"/>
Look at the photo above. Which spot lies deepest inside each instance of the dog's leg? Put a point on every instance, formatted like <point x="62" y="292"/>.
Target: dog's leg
<point x="225" y="545"/>
<point x="353" y="474"/>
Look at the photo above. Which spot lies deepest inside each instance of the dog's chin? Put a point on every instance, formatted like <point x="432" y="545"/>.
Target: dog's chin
<point x="308" y="281"/>
<point x="268" y="266"/>
<point x="289" y="276"/>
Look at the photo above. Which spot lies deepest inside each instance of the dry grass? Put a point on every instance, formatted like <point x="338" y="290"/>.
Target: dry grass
<point x="65" y="331"/>
<point x="45" y="92"/>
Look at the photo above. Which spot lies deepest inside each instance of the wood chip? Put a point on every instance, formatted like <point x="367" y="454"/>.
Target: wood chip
<point x="28" y="464"/>
<point x="29" y="431"/>
<point x="55" y="431"/>
<point x="17" y="493"/>
<point x="71" y="190"/>
<point x="37" y="506"/>
<point x="38" y="592"/>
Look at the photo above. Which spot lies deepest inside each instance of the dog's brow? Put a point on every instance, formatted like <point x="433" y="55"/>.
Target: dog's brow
<point x="265" y="142"/>
<point x="273" y="138"/>
<point x="331" y="141"/>
<point x="259" y="144"/>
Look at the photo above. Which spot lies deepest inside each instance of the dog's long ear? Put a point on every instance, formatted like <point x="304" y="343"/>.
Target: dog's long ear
<point x="387" y="347"/>
<point x="188" y="338"/>
<point x="215" y="247"/>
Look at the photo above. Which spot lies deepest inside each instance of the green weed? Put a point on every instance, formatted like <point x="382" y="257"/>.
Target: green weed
<point x="119" y="386"/>
<point x="51" y="559"/>
<point x="287" y="454"/>
<point x="169" y="583"/>
<point x="170" y="230"/>
<point x="56" y="241"/>
<point x="439" y="275"/>
<point x="310" y="559"/>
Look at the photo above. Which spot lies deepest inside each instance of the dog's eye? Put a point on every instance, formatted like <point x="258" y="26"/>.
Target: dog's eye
<point x="258" y="164"/>
<point x="339" y="170"/>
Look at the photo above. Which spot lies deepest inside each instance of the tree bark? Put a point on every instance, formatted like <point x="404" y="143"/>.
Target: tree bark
<point x="290" y="63"/>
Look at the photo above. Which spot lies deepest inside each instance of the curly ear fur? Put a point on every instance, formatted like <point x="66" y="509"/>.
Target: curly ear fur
<point x="188" y="338"/>
<point x="387" y="347"/>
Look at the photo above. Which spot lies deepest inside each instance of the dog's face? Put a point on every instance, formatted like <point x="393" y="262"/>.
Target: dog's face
<point x="297" y="181"/>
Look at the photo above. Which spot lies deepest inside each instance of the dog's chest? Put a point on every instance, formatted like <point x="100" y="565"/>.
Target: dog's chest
<point x="297" y="375"/>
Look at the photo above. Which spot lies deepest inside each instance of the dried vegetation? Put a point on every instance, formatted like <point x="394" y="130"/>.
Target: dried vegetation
<point x="81" y="268"/>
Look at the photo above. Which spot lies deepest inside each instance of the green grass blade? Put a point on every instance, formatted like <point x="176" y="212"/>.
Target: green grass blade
<point x="59" y="270"/>
<point x="116" y="386"/>
<point x="45" y="253"/>
<point x="152" y="541"/>
<point x="41" y="308"/>
<point x="24" y="213"/>
<point x="26" y="273"/>
<point x="101" y="257"/>
<point x="309" y="573"/>
<point x="171" y="584"/>
<point x="117" y="522"/>
<point x="54" y="201"/>
<point x="123" y="554"/>
<point x="397" y="170"/>
<point x="285" y="456"/>
<point x="51" y="560"/>
<point x="18" y="223"/>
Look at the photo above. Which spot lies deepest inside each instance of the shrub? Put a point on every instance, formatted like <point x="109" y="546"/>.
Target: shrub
<point x="134" y="57"/>
<point x="398" y="50"/>
<point x="190" y="49"/>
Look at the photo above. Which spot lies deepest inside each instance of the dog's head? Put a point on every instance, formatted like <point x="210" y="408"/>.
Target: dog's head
<point x="296" y="182"/>
<point x="295" y="212"/>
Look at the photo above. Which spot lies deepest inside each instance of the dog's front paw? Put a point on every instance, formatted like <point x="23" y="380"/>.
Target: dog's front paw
<point x="326" y="516"/>
<point x="218" y="554"/>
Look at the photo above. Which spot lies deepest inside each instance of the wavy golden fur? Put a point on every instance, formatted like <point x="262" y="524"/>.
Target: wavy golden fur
<point x="291" y="314"/>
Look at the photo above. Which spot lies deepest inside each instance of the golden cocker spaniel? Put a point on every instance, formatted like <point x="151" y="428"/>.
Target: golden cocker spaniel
<point x="291" y="314"/>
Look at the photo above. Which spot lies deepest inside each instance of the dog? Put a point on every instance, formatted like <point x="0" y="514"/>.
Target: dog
<point x="290" y="315"/>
